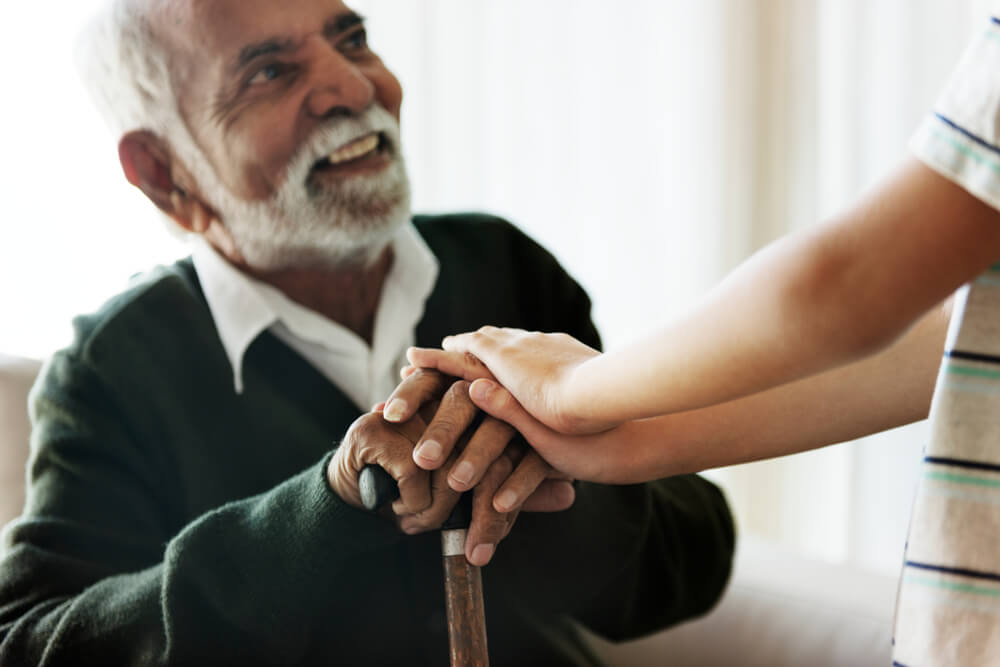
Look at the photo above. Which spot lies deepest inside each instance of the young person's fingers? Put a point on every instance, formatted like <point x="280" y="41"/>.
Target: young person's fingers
<point x="482" y="344"/>
<point x="460" y="365"/>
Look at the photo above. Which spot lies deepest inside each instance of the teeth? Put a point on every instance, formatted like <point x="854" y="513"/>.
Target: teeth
<point x="355" y="149"/>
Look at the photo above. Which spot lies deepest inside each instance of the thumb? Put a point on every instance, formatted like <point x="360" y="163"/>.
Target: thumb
<point x="552" y="495"/>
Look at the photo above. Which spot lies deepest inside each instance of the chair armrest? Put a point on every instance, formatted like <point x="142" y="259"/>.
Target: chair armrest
<point x="16" y="377"/>
<point x="780" y="610"/>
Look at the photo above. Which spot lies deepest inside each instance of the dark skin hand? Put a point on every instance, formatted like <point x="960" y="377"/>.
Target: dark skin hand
<point x="443" y="413"/>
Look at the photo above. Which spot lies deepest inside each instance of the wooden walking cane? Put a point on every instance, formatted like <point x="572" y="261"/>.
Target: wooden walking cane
<point x="463" y="583"/>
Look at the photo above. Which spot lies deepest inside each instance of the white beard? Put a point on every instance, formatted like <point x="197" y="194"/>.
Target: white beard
<point x="302" y="226"/>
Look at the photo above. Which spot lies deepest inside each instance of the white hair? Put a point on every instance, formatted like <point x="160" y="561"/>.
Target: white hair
<point x="125" y="66"/>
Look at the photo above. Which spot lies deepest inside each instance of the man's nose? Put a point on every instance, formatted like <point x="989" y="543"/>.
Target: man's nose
<point x="338" y="85"/>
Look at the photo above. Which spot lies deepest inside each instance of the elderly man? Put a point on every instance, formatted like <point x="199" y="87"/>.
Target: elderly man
<point x="184" y="505"/>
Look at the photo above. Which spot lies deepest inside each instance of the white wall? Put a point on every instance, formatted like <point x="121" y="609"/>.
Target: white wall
<point x="72" y="231"/>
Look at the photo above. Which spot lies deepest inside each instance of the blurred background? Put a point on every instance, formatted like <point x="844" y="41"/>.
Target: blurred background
<point x="650" y="144"/>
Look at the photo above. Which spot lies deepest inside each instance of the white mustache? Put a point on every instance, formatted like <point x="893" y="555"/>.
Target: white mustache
<point x="340" y="132"/>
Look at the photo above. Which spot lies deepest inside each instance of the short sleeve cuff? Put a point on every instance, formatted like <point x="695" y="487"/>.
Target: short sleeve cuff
<point x="961" y="139"/>
<point x="960" y="157"/>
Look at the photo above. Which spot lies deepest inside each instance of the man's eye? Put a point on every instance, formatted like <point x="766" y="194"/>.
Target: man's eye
<point x="267" y="73"/>
<point x="356" y="40"/>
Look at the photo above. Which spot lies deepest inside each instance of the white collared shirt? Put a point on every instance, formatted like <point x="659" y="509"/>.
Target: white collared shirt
<point x="243" y="308"/>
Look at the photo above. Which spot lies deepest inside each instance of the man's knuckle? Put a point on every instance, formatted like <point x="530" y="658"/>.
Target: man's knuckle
<point x="405" y="478"/>
<point x="442" y="427"/>
<point x="535" y="465"/>
<point x="432" y="517"/>
<point x="419" y="376"/>
<point x="497" y="525"/>
<point x="367" y="427"/>
<point x="501" y="468"/>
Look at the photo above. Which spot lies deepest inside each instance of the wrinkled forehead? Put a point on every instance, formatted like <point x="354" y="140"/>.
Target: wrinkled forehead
<point x="209" y="36"/>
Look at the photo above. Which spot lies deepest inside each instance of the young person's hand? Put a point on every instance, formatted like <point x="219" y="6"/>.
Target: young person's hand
<point x="614" y="456"/>
<point x="538" y="369"/>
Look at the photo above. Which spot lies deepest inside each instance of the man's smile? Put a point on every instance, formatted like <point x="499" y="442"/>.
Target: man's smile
<point x="367" y="153"/>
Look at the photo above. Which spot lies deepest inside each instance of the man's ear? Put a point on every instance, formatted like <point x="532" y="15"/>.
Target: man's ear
<point x="148" y="165"/>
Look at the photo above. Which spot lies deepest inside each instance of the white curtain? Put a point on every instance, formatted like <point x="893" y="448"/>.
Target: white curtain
<point x="650" y="144"/>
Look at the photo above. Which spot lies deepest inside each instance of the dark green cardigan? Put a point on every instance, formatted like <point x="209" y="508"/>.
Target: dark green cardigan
<point x="172" y="521"/>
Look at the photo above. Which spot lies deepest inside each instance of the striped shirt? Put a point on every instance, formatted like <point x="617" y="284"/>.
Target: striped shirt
<point x="948" y="611"/>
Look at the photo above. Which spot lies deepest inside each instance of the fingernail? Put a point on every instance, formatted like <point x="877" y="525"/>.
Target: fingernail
<point x="463" y="473"/>
<point x="482" y="554"/>
<point x="506" y="500"/>
<point x="481" y="390"/>
<point x="429" y="451"/>
<point x="394" y="410"/>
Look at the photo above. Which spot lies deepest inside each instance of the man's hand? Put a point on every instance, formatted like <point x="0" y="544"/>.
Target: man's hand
<point x="370" y="440"/>
<point x="427" y="497"/>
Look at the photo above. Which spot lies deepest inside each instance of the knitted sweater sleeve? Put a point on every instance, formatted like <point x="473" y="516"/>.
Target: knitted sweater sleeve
<point x="98" y="571"/>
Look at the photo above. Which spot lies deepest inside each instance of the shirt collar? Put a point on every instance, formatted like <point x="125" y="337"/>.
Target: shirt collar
<point x="243" y="307"/>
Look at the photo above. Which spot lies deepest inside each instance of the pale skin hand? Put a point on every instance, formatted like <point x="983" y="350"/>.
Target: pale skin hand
<point x="806" y="304"/>
<point x="537" y="368"/>
<point x="888" y="389"/>
<point x="426" y="499"/>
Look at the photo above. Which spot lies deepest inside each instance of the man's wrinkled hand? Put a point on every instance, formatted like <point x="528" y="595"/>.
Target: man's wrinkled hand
<point x="372" y="441"/>
<point x="503" y="475"/>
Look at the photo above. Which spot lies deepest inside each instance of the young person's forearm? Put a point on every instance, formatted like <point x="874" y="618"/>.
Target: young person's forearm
<point x="806" y="304"/>
<point x="699" y="360"/>
<point x="889" y="389"/>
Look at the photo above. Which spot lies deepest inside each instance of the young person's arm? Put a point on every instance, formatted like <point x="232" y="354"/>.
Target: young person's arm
<point x="888" y="389"/>
<point x="805" y="304"/>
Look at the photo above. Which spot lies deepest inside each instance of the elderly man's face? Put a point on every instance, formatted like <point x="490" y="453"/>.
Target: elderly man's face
<point x="297" y="117"/>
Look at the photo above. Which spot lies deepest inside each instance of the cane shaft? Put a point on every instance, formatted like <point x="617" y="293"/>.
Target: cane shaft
<point x="463" y="590"/>
<point x="463" y="583"/>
